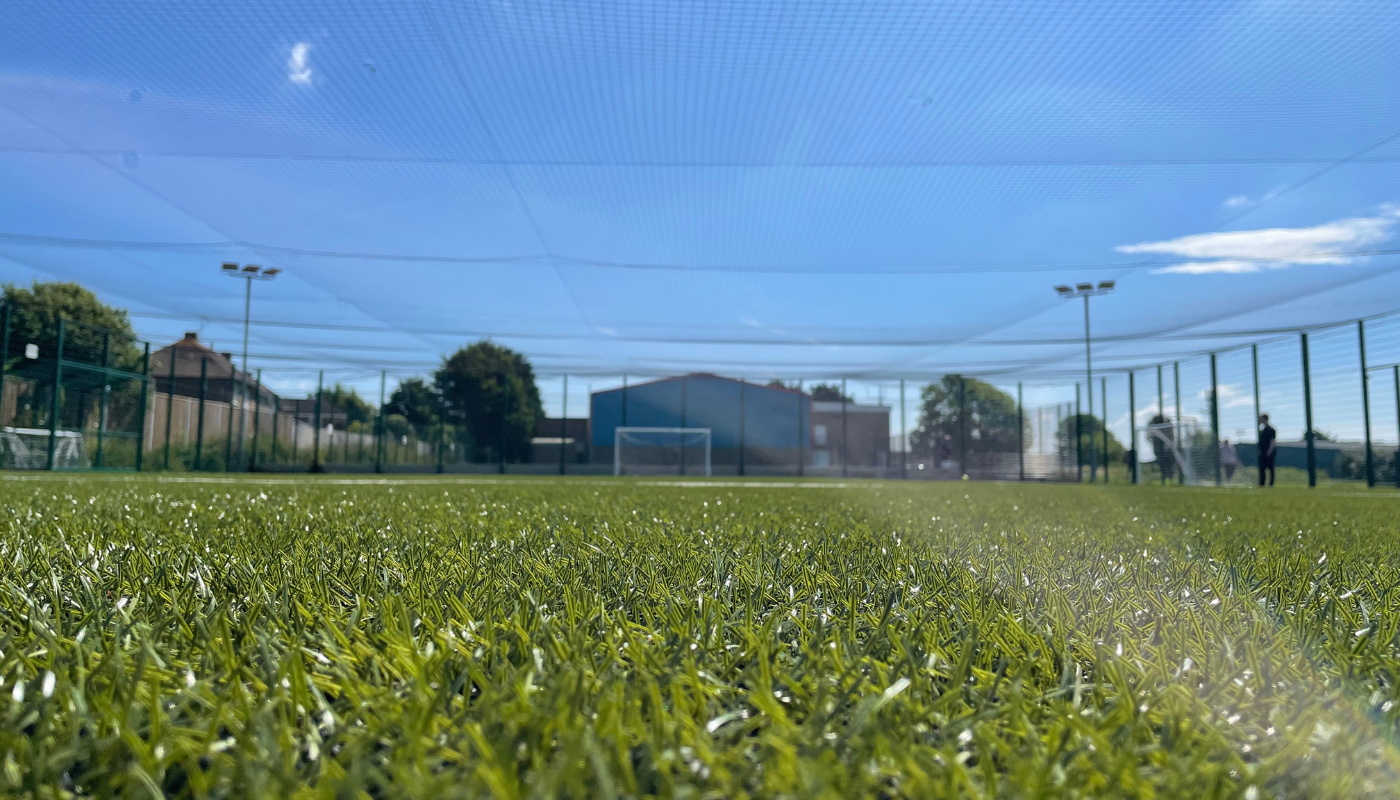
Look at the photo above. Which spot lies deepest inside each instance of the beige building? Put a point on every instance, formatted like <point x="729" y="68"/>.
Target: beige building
<point x="849" y="435"/>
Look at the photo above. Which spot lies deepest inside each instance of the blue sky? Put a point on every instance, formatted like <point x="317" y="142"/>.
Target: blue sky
<point x="759" y="189"/>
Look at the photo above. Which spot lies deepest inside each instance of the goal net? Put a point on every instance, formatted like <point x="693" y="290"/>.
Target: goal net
<point x="661" y="451"/>
<point x="1184" y="451"/>
<point x="28" y="448"/>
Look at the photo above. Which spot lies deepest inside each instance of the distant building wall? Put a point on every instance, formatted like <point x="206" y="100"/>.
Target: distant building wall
<point x="771" y="426"/>
<point x="866" y="439"/>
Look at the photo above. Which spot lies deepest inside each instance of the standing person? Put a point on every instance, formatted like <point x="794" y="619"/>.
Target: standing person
<point x="1268" y="444"/>
<point x="1229" y="459"/>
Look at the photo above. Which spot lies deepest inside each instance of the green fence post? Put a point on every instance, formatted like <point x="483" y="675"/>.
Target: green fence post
<point x="1020" y="429"/>
<point x="563" y="424"/>
<point x="1078" y="435"/>
<point x="54" y="404"/>
<point x="272" y="451"/>
<point x="1061" y="454"/>
<point x="102" y="395"/>
<point x="442" y="431"/>
<point x="743" y="427"/>
<point x="1161" y="412"/>
<point x="228" y="437"/>
<point x="1134" y="473"/>
<point x="680" y="438"/>
<point x="802" y="430"/>
<point x="1395" y="372"/>
<point x="1254" y="364"/>
<point x="1307" y="413"/>
<point x="4" y="358"/>
<point x="505" y="422"/>
<point x="199" y="427"/>
<point x="904" y="432"/>
<point x="145" y="398"/>
<point x="1215" y="421"/>
<point x="257" y="412"/>
<point x="1366" y="403"/>
<point x="845" y="443"/>
<point x="316" y="430"/>
<point x="1176" y="427"/>
<point x="379" y="427"/>
<point x="170" y="402"/>
<point x="1103" y="404"/>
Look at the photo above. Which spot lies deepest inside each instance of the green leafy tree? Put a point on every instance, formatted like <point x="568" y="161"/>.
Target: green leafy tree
<point x="417" y="401"/>
<point x="34" y="315"/>
<point x="490" y="397"/>
<point x="92" y="331"/>
<point x="1090" y="428"/>
<point x="349" y="401"/>
<point x="829" y="392"/>
<point x="992" y="423"/>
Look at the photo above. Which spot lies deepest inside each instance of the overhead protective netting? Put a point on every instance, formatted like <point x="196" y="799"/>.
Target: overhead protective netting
<point x="781" y="189"/>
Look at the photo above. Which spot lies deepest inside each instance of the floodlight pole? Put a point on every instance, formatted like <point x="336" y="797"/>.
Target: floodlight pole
<point x="1089" y="383"/>
<point x="248" y="272"/>
<point x="1087" y="290"/>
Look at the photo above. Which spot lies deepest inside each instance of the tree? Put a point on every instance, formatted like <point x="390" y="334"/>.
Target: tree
<point x="34" y="315"/>
<point x="489" y="394"/>
<point x="349" y="401"/>
<point x="992" y="423"/>
<point x="417" y="401"/>
<point x="1090" y="428"/>
<point x="829" y="393"/>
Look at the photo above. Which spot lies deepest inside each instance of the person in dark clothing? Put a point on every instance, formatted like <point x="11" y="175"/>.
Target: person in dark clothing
<point x="1268" y="443"/>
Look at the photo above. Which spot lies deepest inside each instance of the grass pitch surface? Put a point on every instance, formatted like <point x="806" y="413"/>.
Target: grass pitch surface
<point x="447" y="638"/>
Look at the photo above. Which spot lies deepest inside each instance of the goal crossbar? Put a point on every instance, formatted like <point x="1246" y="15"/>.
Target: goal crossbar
<point x="621" y="431"/>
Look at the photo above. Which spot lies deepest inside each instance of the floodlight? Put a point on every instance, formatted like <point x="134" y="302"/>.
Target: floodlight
<point x="1084" y="287"/>
<point x="1106" y="286"/>
<point x="251" y="268"/>
<point x="1064" y="289"/>
<point x="230" y="267"/>
<point x="271" y="271"/>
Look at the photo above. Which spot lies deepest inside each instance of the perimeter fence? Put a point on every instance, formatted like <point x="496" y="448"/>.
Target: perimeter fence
<point x="87" y="398"/>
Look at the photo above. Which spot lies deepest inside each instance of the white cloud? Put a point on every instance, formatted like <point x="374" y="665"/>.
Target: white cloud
<point x="298" y="64"/>
<point x="1237" y="252"/>
<point x="1236" y="201"/>
<point x="1208" y="267"/>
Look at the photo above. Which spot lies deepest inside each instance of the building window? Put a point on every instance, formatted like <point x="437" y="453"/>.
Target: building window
<point x="819" y="436"/>
<point x="821" y="458"/>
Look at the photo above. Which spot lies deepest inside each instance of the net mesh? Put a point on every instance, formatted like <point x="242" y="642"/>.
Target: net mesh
<point x="662" y="451"/>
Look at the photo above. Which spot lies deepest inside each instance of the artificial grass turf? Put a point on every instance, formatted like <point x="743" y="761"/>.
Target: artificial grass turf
<point x="551" y="638"/>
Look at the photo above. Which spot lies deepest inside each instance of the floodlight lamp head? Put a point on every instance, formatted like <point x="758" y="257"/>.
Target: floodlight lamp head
<point x="251" y="269"/>
<point x="1084" y="287"/>
<point x="229" y="267"/>
<point x="271" y="272"/>
<point x="1064" y="291"/>
<point x="1106" y="286"/>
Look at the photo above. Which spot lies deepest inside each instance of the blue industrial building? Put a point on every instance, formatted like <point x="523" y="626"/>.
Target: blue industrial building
<point x="771" y="423"/>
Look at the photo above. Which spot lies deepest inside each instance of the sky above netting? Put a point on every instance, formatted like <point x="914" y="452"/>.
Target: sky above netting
<point x="763" y="189"/>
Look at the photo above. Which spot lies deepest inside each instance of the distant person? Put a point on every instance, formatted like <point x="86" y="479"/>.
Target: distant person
<point x="945" y="452"/>
<point x="1268" y="446"/>
<point x="1229" y="459"/>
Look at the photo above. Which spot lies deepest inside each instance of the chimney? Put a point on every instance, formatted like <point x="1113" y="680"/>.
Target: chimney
<point x="228" y="356"/>
<point x="191" y="337"/>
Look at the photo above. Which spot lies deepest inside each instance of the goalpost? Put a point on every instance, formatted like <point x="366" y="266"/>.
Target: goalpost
<point x="661" y="451"/>
<point x="1191" y="451"/>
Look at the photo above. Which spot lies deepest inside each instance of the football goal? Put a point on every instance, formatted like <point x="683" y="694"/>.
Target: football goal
<point x="661" y="451"/>
<point x="1184" y="451"/>
<point x="28" y="448"/>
